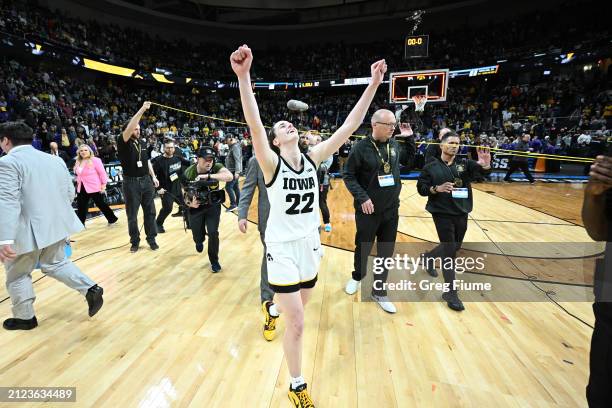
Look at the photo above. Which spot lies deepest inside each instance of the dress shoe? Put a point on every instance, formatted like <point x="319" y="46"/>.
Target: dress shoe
<point x="153" y="245"/>
<point x="215" y="266"/>
<point x="160" y="229"/>
<point x="452" y="300"/>
<point x="94" y="299"/>
<point x="429" y="266"/>
<point x="134" y="248"/>
<point x="20" y="324"/>
<point x="199" y="247"/>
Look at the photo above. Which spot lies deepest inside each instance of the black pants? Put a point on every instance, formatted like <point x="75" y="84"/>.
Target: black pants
<point x="451" y="230"/>
<point x="599" y="389"/>
<point x="83" y="205"/>
<point x="139" y="191"/>
<point x="265" y="291"/>
<point x="383" y="228"/>
<point x="233" y="190"/>
<point x="323" y="203"/>
<point x="167" y="200"/>
<point x="205" y="221"/>
<point x="516" y="165"/>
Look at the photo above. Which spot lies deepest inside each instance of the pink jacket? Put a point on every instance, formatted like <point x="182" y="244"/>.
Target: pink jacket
<point x="91" y="177"/>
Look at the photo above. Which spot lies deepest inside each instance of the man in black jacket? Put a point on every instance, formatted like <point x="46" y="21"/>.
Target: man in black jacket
<point x="597" y="217"/>
<point x="520" y="161"/>
<point x="169" y="170"/>
<point x="372" y="175"/>
<point x="447" y="183"/>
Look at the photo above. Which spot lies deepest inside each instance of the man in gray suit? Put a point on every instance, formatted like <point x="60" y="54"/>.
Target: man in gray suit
<point x="233" y="162"/>
<point x="254" y="178"/>
<point x="36" y="194"/>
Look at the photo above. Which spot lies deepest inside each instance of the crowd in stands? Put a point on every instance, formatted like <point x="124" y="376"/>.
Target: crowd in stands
<point x="569" y="113"/>
<point x="71" y="111"/>
<point x="462" y="47"/>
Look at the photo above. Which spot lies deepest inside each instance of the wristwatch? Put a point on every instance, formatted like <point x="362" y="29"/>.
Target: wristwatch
<point x="432" y="190"/>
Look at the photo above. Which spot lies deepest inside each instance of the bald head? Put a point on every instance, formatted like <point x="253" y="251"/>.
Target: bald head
<point x="383" y="115"/>
<point x="53" y="146"/>
<point x="383" y="125"/>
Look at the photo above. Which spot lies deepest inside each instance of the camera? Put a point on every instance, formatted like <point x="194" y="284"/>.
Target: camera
<point x="201" y="190"/>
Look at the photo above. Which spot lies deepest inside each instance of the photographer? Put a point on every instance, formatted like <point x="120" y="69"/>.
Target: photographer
<point x="204" y="197"/>
<point x="168" y="168"/>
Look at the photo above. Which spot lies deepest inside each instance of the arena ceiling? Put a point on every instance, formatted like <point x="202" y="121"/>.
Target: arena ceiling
<point x="290" y="12"/>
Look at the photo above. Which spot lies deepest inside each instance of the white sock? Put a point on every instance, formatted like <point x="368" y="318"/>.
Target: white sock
<point x="273" y="310"/>
<point x="297" y="381"/>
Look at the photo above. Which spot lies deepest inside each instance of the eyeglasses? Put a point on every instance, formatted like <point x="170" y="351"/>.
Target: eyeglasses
<point x="389" y="125"/>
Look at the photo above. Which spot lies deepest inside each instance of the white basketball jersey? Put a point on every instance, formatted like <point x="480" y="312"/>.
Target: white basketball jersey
<point x="294" y="202"/>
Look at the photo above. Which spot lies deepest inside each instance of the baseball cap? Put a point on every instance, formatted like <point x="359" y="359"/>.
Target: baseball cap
<point x="205" y="152"/>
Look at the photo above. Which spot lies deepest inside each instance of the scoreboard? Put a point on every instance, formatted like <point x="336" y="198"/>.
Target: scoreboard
<point x="416" y="46"/>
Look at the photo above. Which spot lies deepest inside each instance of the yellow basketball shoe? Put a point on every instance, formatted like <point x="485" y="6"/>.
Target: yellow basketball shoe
<point x="300" y="398"/>
<point x="269" y="329"/>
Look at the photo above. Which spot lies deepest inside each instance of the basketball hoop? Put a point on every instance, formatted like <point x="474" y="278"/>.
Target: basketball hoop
<point x="419" y="102"/>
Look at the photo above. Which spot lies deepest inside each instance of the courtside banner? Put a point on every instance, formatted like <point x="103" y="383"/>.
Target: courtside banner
<point x="484" y="271"/>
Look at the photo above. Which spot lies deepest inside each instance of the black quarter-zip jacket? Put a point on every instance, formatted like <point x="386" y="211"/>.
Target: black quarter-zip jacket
<point x="436" y="173"/>
<point x="364" y="165"/>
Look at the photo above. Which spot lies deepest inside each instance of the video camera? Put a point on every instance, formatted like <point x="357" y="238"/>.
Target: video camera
<point x="201" y="190"/>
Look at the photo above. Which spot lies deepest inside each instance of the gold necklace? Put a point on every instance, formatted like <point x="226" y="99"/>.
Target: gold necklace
<point x="386" y="164"/>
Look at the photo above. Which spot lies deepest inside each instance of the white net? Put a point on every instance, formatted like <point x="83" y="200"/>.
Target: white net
<point x="419" y="102"/>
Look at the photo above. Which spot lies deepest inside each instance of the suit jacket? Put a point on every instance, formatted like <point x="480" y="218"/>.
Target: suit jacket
<point x="92" y="178"/>
<point x="254" y="178"/>
<point x="36" y="194"/>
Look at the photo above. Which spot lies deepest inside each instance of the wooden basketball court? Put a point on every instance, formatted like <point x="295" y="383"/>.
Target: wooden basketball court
<point x="172" y="334"/>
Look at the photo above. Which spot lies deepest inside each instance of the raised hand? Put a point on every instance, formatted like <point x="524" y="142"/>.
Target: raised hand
<point x="405" y="129"/>
<point x="378" y="70"/>
<point x="241" y="60"/>
<point x="600" y="175"/>
<point x="146" y="105"/>
<point x="484" y="156"/>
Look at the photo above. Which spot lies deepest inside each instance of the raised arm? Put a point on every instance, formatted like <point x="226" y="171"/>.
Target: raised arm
<point x="129" y="129"/>
<point x="241" y="61"/>
<point x="325" y="149"/>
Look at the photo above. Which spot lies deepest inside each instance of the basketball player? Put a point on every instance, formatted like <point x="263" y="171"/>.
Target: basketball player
<point x="292" y="238"/>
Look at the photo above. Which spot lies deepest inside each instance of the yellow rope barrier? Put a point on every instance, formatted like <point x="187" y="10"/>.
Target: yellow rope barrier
<point x="512" y="152"/>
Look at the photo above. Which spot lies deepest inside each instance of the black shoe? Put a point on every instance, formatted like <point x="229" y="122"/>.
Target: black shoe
<point x="452" y="301"/>
<point x="215" y="266"/>
<point x="20" y="324"/>
<point x="113" y="222"/>
<point x="134" y="248"/>
<point x="200" y="247"/>
<point x="428" y="267"/>
<point x="153" y="245"/>
<point x="94" y="299"/>
<point x="179" y="213"/>
<point x="160" y="229"/>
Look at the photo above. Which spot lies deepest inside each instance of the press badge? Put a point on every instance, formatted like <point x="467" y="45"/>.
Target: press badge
<point x="460" y="193"/>
<point x="173" y="176"/>
<point x="386" y="180"/>
<point x="138" y="163"/>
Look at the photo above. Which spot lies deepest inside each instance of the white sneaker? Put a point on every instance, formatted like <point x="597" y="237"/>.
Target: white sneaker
<point x="385" y="303"/>
<point x="352" y="286"/>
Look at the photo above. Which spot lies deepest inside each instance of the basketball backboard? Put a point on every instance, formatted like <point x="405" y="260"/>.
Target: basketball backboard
<point x="405" y="85"/>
